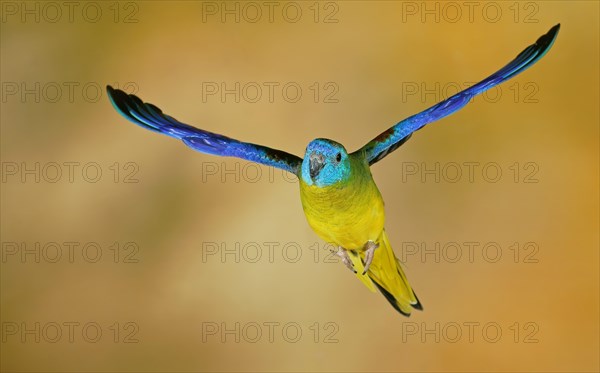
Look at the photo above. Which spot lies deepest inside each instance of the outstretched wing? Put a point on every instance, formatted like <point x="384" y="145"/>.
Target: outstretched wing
<point x="395" y="136"/>
<point x="152" y="118"/>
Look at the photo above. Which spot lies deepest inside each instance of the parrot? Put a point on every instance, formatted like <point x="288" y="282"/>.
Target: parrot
<point x="338" y="194"/>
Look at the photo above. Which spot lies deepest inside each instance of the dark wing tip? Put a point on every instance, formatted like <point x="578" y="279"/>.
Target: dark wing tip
<point x="546" y="40"/>
<point x="115" y="95"/>
<point x="135" y="110"/>
<point x="118" y="99"/>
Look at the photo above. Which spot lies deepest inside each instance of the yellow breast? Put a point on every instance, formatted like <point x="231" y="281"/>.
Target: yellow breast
<point x="347" y="214"/>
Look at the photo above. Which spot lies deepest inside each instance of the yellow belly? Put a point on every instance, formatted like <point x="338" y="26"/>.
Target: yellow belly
<point x="348" y="214"/>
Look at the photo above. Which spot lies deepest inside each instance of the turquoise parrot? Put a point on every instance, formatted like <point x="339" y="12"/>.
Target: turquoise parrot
<point x="340" y="199"/>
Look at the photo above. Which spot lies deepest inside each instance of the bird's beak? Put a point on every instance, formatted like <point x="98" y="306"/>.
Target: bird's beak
<point x="316" y="163"/>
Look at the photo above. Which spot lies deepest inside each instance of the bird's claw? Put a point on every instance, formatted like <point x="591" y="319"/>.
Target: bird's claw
<point x="370" y="248"/>
<point x="343" y="254"/>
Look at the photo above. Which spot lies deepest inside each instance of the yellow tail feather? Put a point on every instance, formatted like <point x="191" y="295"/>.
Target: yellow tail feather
<point x="359" y="267"/>
<point x="386" y="274"/>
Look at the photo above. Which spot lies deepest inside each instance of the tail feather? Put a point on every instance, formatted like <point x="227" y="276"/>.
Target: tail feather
<point x="359" y="267"/>
<point x="389" y="278"/>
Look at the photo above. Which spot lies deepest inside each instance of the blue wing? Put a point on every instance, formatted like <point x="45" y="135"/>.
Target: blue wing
<point x="152" y="118"/>
<point x="395" y="136"/>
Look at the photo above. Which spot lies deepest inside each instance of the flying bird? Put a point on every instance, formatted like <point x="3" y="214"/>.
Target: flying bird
<point x="339" y="196"/>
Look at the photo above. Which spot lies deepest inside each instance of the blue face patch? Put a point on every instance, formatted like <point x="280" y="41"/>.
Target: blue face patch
<point x="325" y="163"/>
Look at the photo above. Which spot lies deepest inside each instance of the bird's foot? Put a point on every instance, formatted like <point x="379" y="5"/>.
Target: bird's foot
<point x="370" y="248"/>
<point x="343" y="254"/>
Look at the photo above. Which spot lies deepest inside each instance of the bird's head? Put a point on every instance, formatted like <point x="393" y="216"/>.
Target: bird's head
<point x="325" y="163"/>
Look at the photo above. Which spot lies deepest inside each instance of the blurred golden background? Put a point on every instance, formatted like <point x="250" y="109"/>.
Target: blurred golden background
<point x="123" y="250"/>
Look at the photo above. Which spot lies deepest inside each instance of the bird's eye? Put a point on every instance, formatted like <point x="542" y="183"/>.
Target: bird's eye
<point x="338" y="157"/>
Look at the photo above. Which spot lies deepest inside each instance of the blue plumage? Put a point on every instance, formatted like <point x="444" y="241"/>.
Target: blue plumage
<point x="391" y="139"/>
<point x="152" y="118"/>
<point x="334" y="165"/>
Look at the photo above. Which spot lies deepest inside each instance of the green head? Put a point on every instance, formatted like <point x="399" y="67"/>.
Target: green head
<point x="325" y="163"/>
